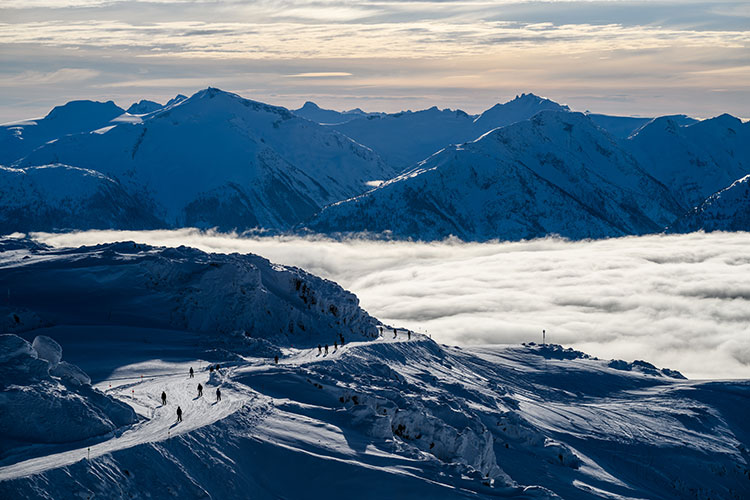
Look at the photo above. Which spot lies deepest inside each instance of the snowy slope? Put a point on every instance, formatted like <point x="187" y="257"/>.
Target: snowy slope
<point x="556" y="173"/>
<point x="37" y="387"/>
<point x="408" y="137"/>
<point x="216" y="159"/>
<point x="694" y="161"/>
<point x="394" y="415"/>
<point x="125" y="284"/>
<point x="54" y="197"/>
<point x="315" y="113"/>
<point x="19" y="139"/>
<point x="727" y="210"/>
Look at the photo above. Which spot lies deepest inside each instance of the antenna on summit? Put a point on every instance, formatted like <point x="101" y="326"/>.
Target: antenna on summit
<point x="544" y="337"/>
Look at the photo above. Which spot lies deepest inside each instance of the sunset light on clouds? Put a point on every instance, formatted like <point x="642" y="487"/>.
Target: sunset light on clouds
<point x="621" y="57"/>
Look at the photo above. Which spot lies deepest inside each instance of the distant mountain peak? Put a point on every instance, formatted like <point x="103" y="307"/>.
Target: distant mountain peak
<point x="143" y="107"/>
<point x="76" y="109"/>
<point x="311" y="106"/>
<point x="176" y="99"/>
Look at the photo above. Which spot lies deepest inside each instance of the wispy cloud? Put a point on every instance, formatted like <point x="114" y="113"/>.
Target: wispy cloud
<point x="677" y="301"/>
<point x="662" y="57"/>
<point x="330" y="74"/>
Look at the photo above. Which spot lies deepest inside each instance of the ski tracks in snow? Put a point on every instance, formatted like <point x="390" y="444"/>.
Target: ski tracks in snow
<point x="158" y="422"/>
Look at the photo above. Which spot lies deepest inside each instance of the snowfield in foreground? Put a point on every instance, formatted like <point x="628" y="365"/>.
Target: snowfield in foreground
<point x="391" y="415"/>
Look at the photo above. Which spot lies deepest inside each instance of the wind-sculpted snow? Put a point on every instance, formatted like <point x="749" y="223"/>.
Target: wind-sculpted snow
<point x="48" y="401"/>
<point x="402" y="416"/>
<point x="176" y="288"/>
<point x="554" y="174"/>
<point x="216" y="159"/>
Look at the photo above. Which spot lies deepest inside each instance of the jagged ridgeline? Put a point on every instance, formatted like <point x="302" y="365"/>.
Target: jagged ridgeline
<point x="522" y="169"/>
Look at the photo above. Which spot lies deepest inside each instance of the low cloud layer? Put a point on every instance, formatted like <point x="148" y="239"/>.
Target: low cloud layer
<point x="680" y="301"/>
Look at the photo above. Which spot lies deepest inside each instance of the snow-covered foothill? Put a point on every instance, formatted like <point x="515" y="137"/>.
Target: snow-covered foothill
<point x="57" y="196"/>
<point x="237" y="296"/>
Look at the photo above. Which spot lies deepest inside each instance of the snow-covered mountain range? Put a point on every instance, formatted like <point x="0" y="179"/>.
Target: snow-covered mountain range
<point x="555" y="173"/>
<point x="385" y="414"/>
<point x="218" y="160"/>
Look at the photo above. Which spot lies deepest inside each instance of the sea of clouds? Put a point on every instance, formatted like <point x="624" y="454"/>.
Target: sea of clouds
<point x="678" y="301"/>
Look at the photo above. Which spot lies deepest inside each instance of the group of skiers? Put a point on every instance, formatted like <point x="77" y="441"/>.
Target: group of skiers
<point x="211" y="368"/>
<point x="191" y="374"/>
<point x="335" y="345"/>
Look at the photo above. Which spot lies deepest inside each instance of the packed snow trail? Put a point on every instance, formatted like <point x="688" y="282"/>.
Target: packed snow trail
<point x="143" y="394"/>
<point x="160" y="421"/>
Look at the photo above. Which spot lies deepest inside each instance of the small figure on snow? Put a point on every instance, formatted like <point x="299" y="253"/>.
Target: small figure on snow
<point x="276" y="360"/>
<point x="218" y="394"/>
<point x="326" y="348"/>
<point x="217" y="367"/>
<point x="335" y="345"/>
<point x="192" y="374"/>
<point x="408" y="334"/>
<point x="210" y="368"/>
<point x="179" y="414"/>
<point x="200" y="390"/>
<point x="342" y="341"/>
<point x="394" y="333"/>
<point x="164" y="398"/>
<point x="320" y="350"/>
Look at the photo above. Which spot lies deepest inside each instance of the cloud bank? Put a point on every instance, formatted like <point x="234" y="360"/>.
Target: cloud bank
<point x="678" y="301"/>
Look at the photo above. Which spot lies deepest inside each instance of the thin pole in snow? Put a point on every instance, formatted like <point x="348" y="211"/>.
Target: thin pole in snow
<point x="89" y="455"/>
<point x="544" y="337"/>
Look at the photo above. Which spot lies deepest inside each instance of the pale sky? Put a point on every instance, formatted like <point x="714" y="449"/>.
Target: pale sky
<point x="622" y="57"/>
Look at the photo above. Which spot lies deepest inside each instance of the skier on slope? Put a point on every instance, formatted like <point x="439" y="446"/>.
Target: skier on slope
<point x="200" y="390"/>
<point x="179" y="414"/>
<point x="163" y="398"/>
<point x="218" y="394"/>
<point x="191" y="372"/>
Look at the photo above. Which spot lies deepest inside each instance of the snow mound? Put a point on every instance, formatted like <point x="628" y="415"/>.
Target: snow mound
<point x="53" y="395"/>
<point x="48" y="350"/>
